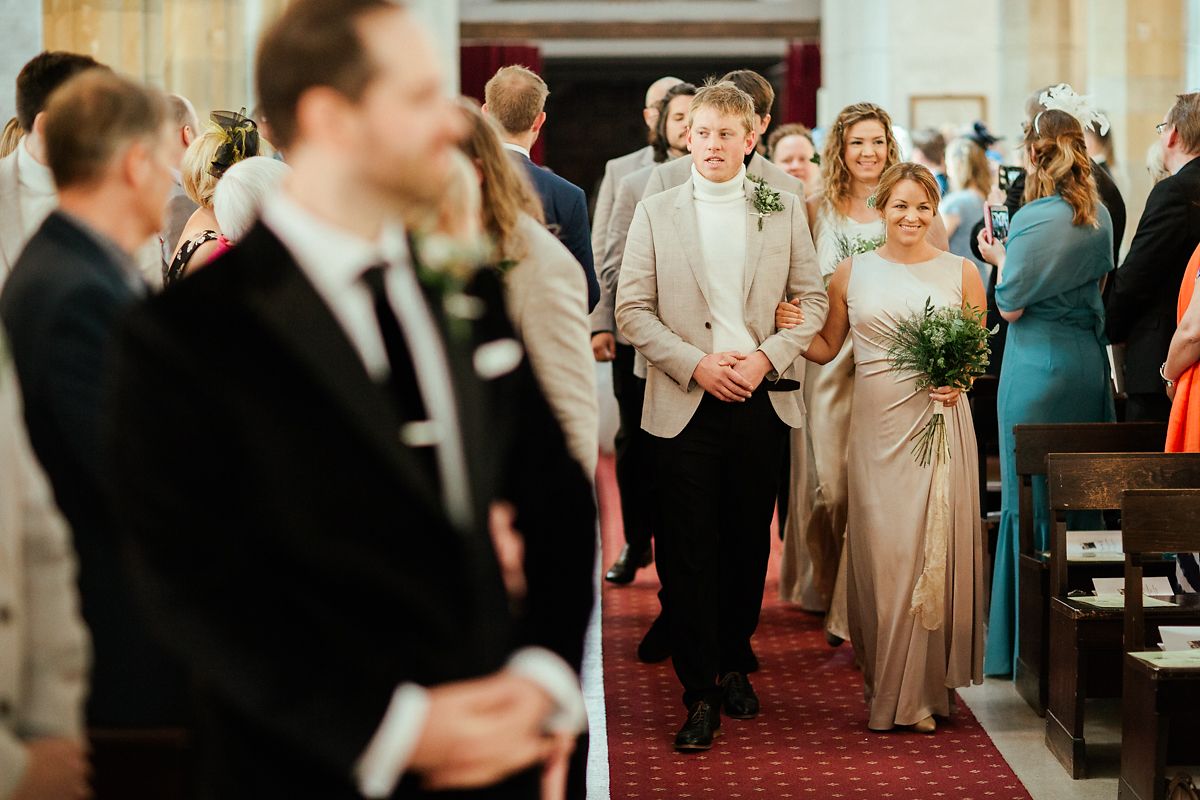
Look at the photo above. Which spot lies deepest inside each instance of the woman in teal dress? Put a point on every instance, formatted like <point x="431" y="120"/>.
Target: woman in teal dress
<point x="1055" y="367"/>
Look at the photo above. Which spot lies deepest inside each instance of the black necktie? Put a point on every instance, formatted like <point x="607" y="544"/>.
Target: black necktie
<point x="402" y="382"/>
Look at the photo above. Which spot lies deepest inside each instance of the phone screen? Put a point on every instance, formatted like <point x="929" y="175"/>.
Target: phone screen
<point x="999" y="223"/>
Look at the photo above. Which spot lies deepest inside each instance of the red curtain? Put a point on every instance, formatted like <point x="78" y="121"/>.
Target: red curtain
<point x="803" y="80"/>
<point x="479" y="62"/>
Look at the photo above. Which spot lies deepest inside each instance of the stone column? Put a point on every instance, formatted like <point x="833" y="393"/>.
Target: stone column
<point x="442" y="18"/>
<point x="20" y="40"/>
<point x="890" y="53"/>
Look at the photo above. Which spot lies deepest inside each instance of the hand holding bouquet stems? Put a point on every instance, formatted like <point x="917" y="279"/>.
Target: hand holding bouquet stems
<point x="946" y="348"/>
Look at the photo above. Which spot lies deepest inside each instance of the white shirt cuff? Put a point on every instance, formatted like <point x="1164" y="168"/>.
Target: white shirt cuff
<point x="390" y="749"/>
<point x="557" y="679"/>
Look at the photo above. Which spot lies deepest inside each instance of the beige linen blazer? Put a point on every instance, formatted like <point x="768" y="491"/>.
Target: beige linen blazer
<point x="614" y="170"/>
<point x="546" y="297"/>
<point x="663" y="310"/>
<point x="44" y="646"/>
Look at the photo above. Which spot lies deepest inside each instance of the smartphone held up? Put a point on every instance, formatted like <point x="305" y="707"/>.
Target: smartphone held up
<point x="995" y="220"/>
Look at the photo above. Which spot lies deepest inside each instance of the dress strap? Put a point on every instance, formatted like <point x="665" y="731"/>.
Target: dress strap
<point x="178" y="266"/>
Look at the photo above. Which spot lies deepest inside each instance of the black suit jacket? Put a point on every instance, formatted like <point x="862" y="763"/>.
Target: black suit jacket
<point x="1141" y="307"/>
<point x="565" y="207"/>
<point x="60" y="306"/>
<point x="294" y="552"/>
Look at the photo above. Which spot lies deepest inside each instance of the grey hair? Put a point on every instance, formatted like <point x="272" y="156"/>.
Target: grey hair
<point x="241" y="191"/>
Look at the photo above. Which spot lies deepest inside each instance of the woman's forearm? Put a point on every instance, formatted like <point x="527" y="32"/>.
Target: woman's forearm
<point x="1184" y="352"/>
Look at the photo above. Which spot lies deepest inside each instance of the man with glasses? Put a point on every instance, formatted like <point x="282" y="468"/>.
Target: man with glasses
<point x="1141" y="306"/>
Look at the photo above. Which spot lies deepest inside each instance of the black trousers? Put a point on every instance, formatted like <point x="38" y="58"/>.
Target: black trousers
<point x="634" y="452"/>
<point x="1152" y="407"/>
<point x="716" y="483"/>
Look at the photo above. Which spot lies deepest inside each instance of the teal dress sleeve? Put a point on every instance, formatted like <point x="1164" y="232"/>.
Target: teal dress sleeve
<point x="1048" y="257"/>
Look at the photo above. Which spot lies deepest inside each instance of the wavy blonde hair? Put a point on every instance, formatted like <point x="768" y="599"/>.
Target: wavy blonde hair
<point x="507" y="192"/>
<point x="835" y="174"/>
<point x="1056" y="151"/>
<point x="195" y="171"/>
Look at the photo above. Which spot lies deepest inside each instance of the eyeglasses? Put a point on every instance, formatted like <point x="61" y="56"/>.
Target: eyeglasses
<point x="1160" y="127"/>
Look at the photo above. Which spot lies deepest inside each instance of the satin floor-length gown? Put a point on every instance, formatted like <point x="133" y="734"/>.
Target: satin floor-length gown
<point x="904" y="519"/>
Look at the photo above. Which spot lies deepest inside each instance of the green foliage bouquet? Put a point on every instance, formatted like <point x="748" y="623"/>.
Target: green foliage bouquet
<point x="945" y="346"/>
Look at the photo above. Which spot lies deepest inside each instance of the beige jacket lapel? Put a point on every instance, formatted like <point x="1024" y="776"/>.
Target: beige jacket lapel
<point x="684" y="215"/>
<point x="754" y="238"/>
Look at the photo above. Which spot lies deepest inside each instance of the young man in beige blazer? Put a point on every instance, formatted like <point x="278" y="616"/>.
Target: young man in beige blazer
<point x="705" y="263"/>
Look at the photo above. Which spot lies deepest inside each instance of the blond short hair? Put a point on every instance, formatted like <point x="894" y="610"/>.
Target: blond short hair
<point x="515" y="96"/>
<point x="725" y="99"/>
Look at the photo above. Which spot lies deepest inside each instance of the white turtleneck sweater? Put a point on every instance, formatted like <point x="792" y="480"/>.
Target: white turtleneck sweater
<point x="721" y="218"/>
<point x="39" y="196"/>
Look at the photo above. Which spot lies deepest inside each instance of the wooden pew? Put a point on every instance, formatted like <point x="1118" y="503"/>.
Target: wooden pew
<point x="1033" y="444"/>
<point x="1158" y="700"/>
<point x="1086" y="641"/>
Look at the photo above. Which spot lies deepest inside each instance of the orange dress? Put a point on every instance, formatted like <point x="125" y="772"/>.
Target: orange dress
<point x="1183" y="431"/>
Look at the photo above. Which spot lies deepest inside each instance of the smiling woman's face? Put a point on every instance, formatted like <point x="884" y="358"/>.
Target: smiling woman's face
<point x="866" y="150"/>
<point x="908" y="213"/>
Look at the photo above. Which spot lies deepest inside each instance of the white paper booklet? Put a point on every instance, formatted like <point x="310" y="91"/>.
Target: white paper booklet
<point x="1094" y="546"/>
<point x="1180" y="637"/>
<point x="1150" y="586"/>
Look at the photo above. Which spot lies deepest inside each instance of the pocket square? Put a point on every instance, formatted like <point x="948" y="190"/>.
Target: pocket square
<point x="498" y="357"/>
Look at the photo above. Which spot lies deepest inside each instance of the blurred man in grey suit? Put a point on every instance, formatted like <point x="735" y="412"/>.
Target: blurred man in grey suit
<point x="185" y="126"/>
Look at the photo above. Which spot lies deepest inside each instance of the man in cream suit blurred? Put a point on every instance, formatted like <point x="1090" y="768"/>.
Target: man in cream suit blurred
<point x="634" y="470"/>
<point x="617" y="168"/>
<point x="705" y="265"/>
<point x="43" y="642"/>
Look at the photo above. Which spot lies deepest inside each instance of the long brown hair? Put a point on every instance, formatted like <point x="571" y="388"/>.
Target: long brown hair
<point x="1056" y="150"/>
<point x="507" y="192"/>
<point x="835" y="175"/>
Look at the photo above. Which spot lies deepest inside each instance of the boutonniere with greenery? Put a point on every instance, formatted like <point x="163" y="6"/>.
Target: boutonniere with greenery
<point x="766" y="200"/>
<point x="445" y="266"/>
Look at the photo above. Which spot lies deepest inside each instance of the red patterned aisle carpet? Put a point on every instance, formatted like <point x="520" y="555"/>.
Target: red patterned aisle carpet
<point x="811" y="739"/>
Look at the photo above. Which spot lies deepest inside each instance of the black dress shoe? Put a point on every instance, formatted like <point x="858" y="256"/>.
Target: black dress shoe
<point x="702" y="726"/>
<point x="656" y="644"/>
<point x="625" y="568"/>
<point x="740" y="701"/>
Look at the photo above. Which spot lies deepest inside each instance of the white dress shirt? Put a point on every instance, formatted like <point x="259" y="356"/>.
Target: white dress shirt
<point x="334" y="261"/>
<point x="516" y="148"/>
<point x="721" y="218"/>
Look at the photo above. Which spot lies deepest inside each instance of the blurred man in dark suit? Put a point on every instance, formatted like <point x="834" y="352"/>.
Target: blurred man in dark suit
<point x="106" y="140"/>
<point x="309" y="447"/>
<point x="1141" y="306"/>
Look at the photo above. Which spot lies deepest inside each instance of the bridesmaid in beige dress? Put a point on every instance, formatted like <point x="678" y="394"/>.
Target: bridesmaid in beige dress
<point x="859" y="147"/>
<point x="915" y="647"/>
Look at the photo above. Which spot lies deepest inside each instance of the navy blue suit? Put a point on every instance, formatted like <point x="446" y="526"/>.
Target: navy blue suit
<point x="60" y="306"/>
<point x="565" y="207"/>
